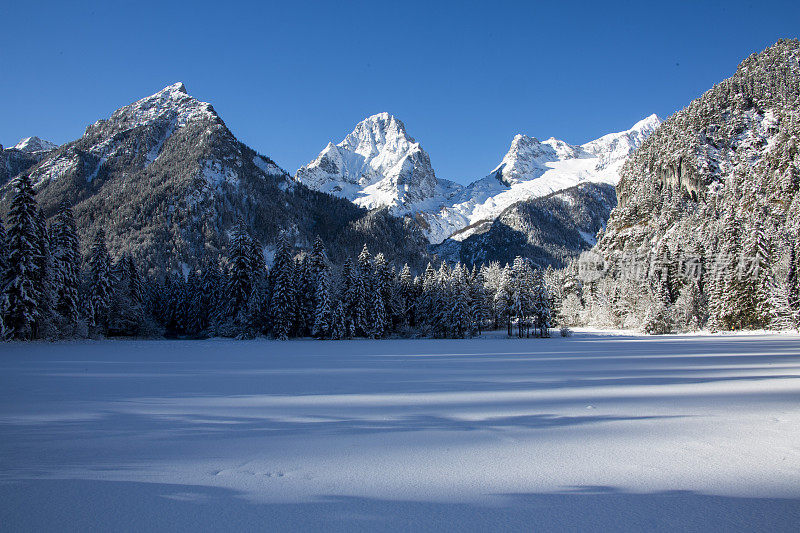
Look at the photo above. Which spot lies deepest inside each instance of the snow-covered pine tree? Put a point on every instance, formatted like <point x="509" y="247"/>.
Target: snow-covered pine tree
<point x="305" y="293"/>
<point x="126" y="316"/>
<point x="339" y="329"/>
<point x="20" y="297"/>
<point x="504" y="298"/>
<point x="101" y="283"/>
<point x="522" y="295"/>
<point x="355" y="298"/>
<point x="758" y="282"/>
<point x="378" y="317"/>
<point x="211" y="306"/>
<point x="47" y="320"/>
<point x="426" y="301"/>
<point x="365" y="270"/>
<point x="541" y="300"/>
<point x="405" y="297"/>
<point x="67" y="259"/>
<point x="480" y="308"/>
<point x="323" y="321"/>
<point x="461" y="313"/>
<point x="240" y="277"/>
<point x="282" y="299"/>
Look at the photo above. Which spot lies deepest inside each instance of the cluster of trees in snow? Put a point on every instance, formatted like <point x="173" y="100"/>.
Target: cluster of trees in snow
<point x="740" y="272"/>
<point x="49" y="290"/>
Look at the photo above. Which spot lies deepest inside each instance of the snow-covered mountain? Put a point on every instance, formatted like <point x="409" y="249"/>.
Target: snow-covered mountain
<point x="377" y="165"/>
<point x="166" y="179"/>
<point x="380" y="165"/>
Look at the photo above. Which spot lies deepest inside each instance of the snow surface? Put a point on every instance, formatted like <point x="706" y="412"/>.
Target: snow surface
<point x="595" y="432"/>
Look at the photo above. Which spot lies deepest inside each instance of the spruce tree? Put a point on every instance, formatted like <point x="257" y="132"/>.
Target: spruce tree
<point x="282" y="299"/>
<point x="21" y="300"/>
<point x="323" y="322"/>
<point x="240" y="277"/>
<point x="101" y="283"/>
<point x="67" y="258"/>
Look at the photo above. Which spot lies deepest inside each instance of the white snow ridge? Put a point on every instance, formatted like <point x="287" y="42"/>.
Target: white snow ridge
<point x="380" y="165"/>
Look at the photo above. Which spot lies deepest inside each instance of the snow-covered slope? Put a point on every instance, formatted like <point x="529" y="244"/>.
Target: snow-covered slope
<point x="379" y="165"/>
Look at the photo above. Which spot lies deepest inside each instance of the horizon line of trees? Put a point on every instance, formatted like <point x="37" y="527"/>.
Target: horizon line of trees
<point x="50" y="291"/>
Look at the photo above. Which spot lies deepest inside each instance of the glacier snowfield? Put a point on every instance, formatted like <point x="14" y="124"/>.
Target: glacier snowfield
<point x="596" y="432"/>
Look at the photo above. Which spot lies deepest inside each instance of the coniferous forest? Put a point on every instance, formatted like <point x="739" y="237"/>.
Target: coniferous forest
<point x="51" y="291"/>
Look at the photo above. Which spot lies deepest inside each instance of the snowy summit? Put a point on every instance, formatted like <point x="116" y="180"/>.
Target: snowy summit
<point x="377" y="165"/>
<point x="34" y="144"/>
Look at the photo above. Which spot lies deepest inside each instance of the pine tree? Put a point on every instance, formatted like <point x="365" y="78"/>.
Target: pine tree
<point x="339" y="328"/>
<point x="405" y="297"/>
<point x="480" y="308"/>
<point x="101" y="283"/>
<point x="66" y="255"/>
<point x="46" y="283"/>
<point x="504" y="298"/>
<point x="323" y="321"/>
<point x="282" y="299"/>
<point x="21" y="299"/>
<point x="240" y="276"/>
<point x="461" y="313"/>
<point x="355" y="300"/>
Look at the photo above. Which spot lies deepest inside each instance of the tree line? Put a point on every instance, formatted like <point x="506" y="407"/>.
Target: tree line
<point x="50" y="291"/>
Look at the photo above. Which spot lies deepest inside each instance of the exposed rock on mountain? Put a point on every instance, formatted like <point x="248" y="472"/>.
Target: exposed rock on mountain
<point x="166" y="179"/>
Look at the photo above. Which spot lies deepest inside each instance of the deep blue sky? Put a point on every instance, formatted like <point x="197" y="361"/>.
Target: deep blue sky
<point x="464" y="76"/>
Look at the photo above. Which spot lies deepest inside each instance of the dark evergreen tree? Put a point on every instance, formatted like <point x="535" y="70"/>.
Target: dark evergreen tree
<point x="21" y="300"/>
<point x="282" y="299"/>
<point x="239" y="285"/>
<point x="101" y="284"/>
<point x="66" y="255"/>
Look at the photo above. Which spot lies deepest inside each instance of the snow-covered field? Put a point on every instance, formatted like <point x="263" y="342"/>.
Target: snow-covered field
<point x="593" y="432"/>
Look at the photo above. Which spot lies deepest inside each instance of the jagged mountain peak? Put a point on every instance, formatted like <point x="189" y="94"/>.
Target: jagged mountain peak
<point x="377" y="165"/>
<point x="171" y="104"/>
<point x="34" y="144"/>
<point x="378" y="132"/>
<point x="527" y="158"/>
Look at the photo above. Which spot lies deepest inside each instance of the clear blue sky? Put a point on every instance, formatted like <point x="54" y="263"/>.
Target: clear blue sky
<point x="464" y="76"/>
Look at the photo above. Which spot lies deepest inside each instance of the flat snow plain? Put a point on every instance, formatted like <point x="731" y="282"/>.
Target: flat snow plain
<point x="594" y="432"/>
